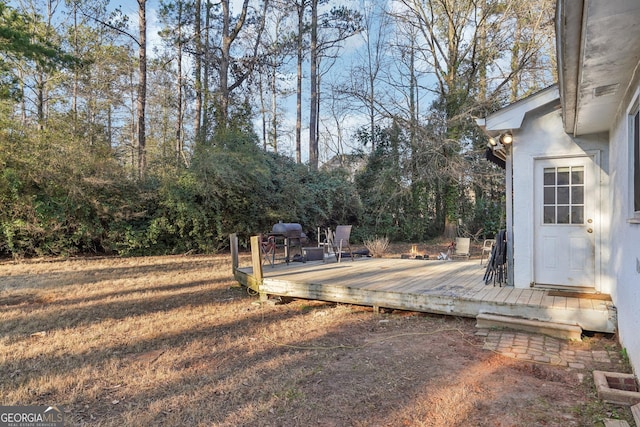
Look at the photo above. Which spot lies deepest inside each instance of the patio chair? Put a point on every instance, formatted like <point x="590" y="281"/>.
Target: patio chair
<point x="268" y="249"/>
<point x="487" y="245"/>
<point x="341" y="240"/>
<point x="325" y="242"/>
<point x="462" y="249"/>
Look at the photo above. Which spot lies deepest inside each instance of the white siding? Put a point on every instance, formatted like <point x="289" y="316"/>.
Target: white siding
<point x="625" y="237"/>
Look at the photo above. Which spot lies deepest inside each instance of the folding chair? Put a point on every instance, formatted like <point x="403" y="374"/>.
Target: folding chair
<point x="268" y="249"/>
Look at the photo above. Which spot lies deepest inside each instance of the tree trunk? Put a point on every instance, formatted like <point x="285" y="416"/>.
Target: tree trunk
<point x="482" y="43"/>
<point x="40" y="99"/>
<point x="413" y="87"/>
<point x="179" y="142"/>
<point x="515" y="62"/>
<point x="206" y="71"/>
<point x="76" y="77"/>
<point x="299" y="41"/>
<point x="263" y="112"/>
<point x="109" y="126"/>
<point x="274" y="110"/>
<point x="225" y="59"/>
<point x="142" y="89"/>
<point x="372" y="101"/>
<point x="134" y="139"/>
<point x="313" y="113"/>
<point x="198" y="72"/>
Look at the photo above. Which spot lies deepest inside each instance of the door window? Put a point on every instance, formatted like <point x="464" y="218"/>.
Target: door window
<point x="563" y="195"/>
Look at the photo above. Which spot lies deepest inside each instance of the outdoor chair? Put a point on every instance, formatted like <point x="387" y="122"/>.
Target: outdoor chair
<point x="487" y="245"/>
<point x="325" y="242"/>
<point x="462" y="249"/>
<point x="268" y="249"/>
<point x="341" y="241"/>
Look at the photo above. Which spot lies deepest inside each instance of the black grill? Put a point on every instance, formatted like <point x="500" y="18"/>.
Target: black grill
<point x="290" y="230"/>
<point x="291" y="235"/>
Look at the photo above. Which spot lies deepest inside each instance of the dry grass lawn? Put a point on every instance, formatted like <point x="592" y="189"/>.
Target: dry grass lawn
<point x="174" y="341"/>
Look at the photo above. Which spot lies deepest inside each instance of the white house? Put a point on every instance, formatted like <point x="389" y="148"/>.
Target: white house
<point x="572" y="160"/>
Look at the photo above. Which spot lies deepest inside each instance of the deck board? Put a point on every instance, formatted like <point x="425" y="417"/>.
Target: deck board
<point x="586" y="303"/>
<point x="547" y="300"/>
<point x="455" y="288"/>
<point x="524" y="297"/>
<point x="536" y="298"/>
<point x="573" y="302"/>
<point x="560" y="302"/>
<point x="512" y="297"/>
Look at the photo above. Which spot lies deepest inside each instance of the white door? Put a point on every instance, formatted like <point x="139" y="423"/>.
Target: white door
<point x="565" y="228"/>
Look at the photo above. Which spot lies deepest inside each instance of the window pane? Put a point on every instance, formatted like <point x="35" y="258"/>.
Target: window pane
<point x="549" y="195"/>
<point x="577" y="195"/>
<point x="577" y="175"/>
<point x="549" y="214"/>
<point x="563" y="176"/>
<point x="549" y="176"/>
<point x="577" y="215"/>
<point x="563" y="214"/>
<point x="563" y="195"/>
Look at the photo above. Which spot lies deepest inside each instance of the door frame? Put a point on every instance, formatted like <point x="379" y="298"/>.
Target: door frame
<point x="594" y="155"/>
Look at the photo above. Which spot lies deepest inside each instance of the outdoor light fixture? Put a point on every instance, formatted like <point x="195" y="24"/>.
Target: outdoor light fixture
<point x="493" y="142"/>
<point x="506" y="139"/>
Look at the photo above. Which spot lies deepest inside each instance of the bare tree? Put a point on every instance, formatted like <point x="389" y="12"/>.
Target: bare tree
<point x="197" y="37"/>
<point x="327" y="35"/>
<point x="174" y="15"/>
<point x="242" y="67"/>
<point x="179" y="145"/>
<point x="142" y="88"/>
<point x="206" y="69"/>
<point x="300" y="9"/>
<point x="458" y="40"/>
<point x="376" y="28"/>
<point x="277" y="48"/>
<point x="313" y="78"/>
<point x="363" y="86"/>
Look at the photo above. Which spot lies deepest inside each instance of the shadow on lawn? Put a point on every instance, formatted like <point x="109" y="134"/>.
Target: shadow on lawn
<point x="55" y="315"/>
<point x="65" y="363"/>
<point x="58" y="279"/>
<point x="317" y="381"/>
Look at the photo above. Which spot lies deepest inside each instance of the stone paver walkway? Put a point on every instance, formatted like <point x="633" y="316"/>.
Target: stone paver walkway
<point x="553" y="351"/>
<point x="579" y="357"/>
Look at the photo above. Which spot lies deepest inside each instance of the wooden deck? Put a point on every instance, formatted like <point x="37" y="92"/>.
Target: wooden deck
<point x="454" y="288"/>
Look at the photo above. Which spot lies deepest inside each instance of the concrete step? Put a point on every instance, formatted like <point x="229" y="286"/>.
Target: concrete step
<point x="608" y="422"/>
<point x="635" y="410"/>
<point x="557" y="330"/>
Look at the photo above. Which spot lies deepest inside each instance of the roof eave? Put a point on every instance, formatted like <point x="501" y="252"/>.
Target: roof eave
<point x="511" y="117"/>
<point x="569" y="35"/>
